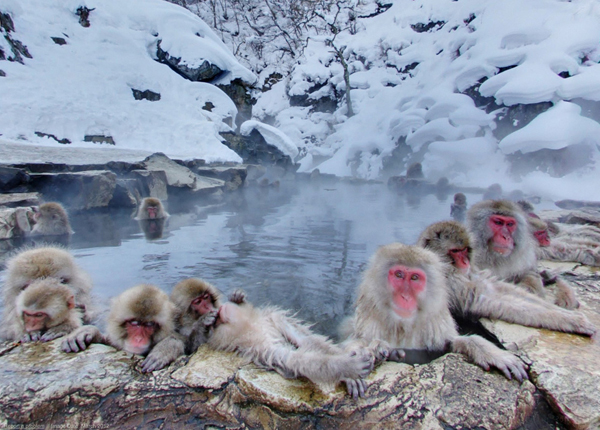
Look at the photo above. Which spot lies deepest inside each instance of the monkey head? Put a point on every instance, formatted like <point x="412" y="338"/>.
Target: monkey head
<point x="196" y="297"/>
<point x="451" y="242"/>
<point x="403" y="281"/>
<point x="140" y="317"/>
<point x="498" y="225"/>
<point x="44" y="304"/>
<point x="539" y="229"/>
<point x="152" y="207"/>
<point x="38" y="263"/>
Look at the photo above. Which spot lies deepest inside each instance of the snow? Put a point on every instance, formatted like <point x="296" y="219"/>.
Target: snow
<point x="405" y="86"/>
<point x="85" y="87"/>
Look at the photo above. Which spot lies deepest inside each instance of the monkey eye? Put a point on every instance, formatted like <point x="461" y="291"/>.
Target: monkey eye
<point x="64" y="280"/>
<point x="414" y="277"/>
<point x="498" y="222"/>
<point x="510" y="224"/>
<point x="399" y="274"/>
<point x="133" y="322"/>
<point x="149" y="324"/>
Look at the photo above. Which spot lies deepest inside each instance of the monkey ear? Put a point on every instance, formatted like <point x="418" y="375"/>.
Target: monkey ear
<point x="71" y="302"/>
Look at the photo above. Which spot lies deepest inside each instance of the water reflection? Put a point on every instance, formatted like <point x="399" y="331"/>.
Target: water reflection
<point x="299" y="246"/>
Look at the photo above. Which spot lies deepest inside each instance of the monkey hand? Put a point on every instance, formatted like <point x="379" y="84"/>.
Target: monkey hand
<point x="32" y="336"/>
<point x="54" y="333"/>
<point x="508" y="364"/>
<point x="380" y="350"/>
<point x="80" y="339"/>
<point x="565" y="297"/>
<point x="397" y="355"/>
<point x="582" y="325"/>
<point x="209" y="319"/>
<point x="154" y="361"/>
<point x="359" y="364"/>
<point x="355" y="387"/>
<point x="238" y="297"/>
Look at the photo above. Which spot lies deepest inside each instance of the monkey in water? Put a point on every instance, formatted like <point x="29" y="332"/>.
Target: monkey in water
<point x="140" y="322"/>
<point x="45" y="311"/>
<point x="402" y="302"/>
<point x="503" y="244"/>
<point x="458" y="209"/>
<point x="43" y="262"/>
<point x="51" y="220"/>
<point x="151" y="208"/>
<point x="273" y="339"/>
<point x="473" y="292"/>
<point x="196" y="307"/>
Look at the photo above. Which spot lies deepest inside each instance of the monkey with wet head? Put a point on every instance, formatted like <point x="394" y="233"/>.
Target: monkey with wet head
<point x="151" y="208"/>
<point x="476" y="293"/>
<point x="38" y="263"/>
<point x="196" y="307"/>
<point x="46" y="310"/>
<point x="402" y="303"/>
<point x="140" y="322"/>
<point x="51" y="219"/>
<point x="458" y="209"/>
<point x="503" y="244"/>
<point x="273" y="339"/>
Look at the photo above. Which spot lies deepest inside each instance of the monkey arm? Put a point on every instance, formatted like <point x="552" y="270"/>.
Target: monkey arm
<point x="562" y="251"/>
<point x="490" y="298"/>
<point x="164" y="353"/>
<point x="81" y="338"/>
<point x="485" y="354"/>
<point x="200" y="332"/>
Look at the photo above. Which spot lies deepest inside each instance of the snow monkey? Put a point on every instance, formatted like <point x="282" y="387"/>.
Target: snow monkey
<point x="402" y="301"/>
<point x="458" y="209"/>
<point x="140" y="322"/>
<point x="273" y="339"/>
<point x="476" y="293"/>
<point x="46" y="310"/>
<point x="503" y="244"/>
<point x="38" y="263"/>
<point x="151" y="208"/>
<point x="51" y="220"/>
<point x="575" y="243"/>
<point x="196" y="306"/>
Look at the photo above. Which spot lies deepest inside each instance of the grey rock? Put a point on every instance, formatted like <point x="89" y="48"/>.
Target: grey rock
<point x="20" y="199"/>
<point x="77" y="190"/>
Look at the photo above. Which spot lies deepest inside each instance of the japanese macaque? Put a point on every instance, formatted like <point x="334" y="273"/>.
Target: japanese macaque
<point x="140" y="322"/>
<point x="415" y="171"/>
<point x="39" y="263"/>
<point x="493" y="192"/>
<point x="273" y="339"/>
<point x="51" y="220"/>
<point x="153" y="228"/>
<point x="196" y="306"/>
<point x="502" y="243"/>
<point x="458" y="209"/>
<point x="476" y="293"/>
<point x="46" y="310"/>
<point x="402" y="302"/>
<point x="563" y="248"/>
<point x="151" y="208"/>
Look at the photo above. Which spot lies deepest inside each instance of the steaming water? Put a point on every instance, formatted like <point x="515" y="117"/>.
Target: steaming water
<point x="301" y="247"/>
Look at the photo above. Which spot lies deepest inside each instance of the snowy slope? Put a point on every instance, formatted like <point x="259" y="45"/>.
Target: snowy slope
<point x="85" y="86"/>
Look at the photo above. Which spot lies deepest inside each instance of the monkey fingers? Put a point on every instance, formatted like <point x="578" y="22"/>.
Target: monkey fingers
<point x="565" y="297"/>
<point x="52" y="334"/>
<point x="510" y="364"/>
<point x="355" y="387"/>
<point x="153" y="362"/>
<point x="380" y="350"/>
<point x="397" y="355"/>
<point x="364" y="363"/>
<point x="32" y="336"/>
<point x="238" y="297"/>
<point x="209" y="319"/>
<point x="80" y="339"/>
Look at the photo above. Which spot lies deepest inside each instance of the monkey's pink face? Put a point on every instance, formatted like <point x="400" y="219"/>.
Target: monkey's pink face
<point x="34" y="320"/>
<point x="460" y="259"/>
<point x="503" y="228"/>
<point x="139" y="335"/>
<point x="203" y="304"/>
<point x="406" y="284"/>
<point x="542" y="237"/>
<point x="152" y="212"/>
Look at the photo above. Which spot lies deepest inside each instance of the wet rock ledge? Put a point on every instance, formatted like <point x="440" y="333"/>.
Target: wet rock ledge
<point x="102" y="387"/>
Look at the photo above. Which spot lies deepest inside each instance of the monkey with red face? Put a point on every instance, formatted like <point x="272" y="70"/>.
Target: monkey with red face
<point x="151" y="208"/>
<point x="475" y="293"/>
<point x="140" y="322"/>
<point x="402" y="303"/>
<point x="503" y="243"/>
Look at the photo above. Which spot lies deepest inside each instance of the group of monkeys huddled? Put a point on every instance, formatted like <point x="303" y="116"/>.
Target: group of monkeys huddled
<point x="406" y="301"/>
